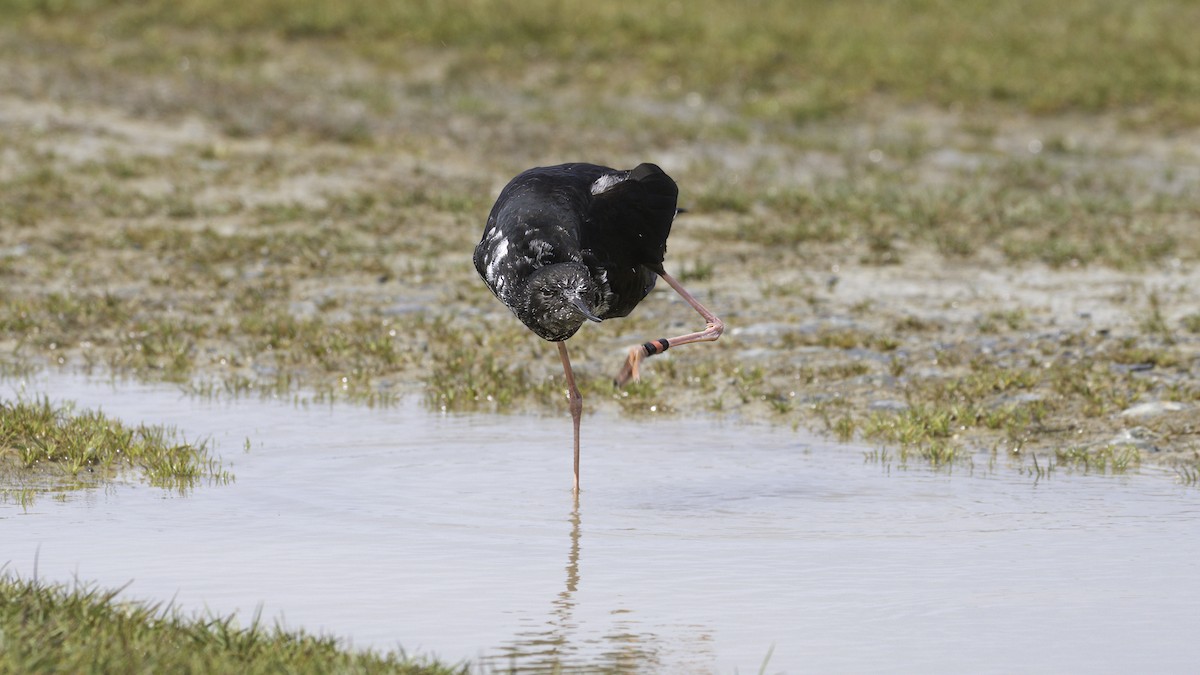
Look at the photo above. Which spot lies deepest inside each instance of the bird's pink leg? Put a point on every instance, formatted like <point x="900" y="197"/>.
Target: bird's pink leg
<point x="711" y="332"/>
<point x="576" y="403"/>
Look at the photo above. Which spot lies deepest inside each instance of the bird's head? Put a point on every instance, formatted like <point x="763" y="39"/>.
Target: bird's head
<point x="560" y="298"/>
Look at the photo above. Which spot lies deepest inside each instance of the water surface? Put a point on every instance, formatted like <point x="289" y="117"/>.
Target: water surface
<point x="695" y="547"/>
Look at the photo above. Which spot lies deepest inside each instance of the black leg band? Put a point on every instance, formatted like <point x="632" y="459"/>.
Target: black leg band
<point x="656" y="346"/>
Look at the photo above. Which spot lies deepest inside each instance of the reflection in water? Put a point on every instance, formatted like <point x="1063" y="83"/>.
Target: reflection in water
<point x="558" y="645"/>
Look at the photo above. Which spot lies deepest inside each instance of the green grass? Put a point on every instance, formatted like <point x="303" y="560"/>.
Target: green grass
<point x="47" y="448"/>
<point x="1028" y="209"/>
<point x="50" y="628"/>
<point x="1105" y="458"/>
<point x="790" y="62"/>
<point x="504" y="368"/>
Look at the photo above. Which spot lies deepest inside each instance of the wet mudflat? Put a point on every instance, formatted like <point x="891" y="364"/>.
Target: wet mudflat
<point x="696" y="546"/>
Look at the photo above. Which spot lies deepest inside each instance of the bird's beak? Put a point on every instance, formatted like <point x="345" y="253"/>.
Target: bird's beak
<point x="583" y="308"/>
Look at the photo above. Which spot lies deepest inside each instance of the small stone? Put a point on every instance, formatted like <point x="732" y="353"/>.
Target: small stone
<point x="889" y="405"/>
<point x="766" y="329"/>
<point x="1138" y="437"/>
<point x="1153" y="409"/>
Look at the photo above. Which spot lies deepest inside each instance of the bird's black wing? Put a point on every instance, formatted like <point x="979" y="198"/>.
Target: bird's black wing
<point x="630" y="220"/>
<point x="626" y="229"/>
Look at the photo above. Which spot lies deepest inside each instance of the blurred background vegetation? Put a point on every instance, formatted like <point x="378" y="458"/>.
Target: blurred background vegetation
<point x="773" y="60"/>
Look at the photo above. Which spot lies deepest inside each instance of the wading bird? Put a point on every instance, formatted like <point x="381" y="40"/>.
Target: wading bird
<point x="580" y="242"/>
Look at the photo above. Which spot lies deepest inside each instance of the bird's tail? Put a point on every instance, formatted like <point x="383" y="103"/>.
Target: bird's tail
<point x="641" y="209"/>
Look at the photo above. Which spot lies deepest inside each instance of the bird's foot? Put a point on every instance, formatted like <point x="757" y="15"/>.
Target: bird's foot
<point x="629" y="371"/>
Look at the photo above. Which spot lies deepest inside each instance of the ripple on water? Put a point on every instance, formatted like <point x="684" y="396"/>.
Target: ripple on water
<point x="695" y="546"/>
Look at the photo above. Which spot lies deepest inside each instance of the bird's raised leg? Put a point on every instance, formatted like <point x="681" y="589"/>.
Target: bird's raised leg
<point x="711" y="332"/>
<point x="576" y="403"/>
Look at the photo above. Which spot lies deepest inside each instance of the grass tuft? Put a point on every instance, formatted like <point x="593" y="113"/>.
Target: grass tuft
<point x="82" y="628"/>
<point x="1103" y="458"/>
<point x="66" y="449"/>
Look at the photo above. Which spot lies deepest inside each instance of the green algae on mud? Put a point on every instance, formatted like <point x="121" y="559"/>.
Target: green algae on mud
<point x="82" y="628"/>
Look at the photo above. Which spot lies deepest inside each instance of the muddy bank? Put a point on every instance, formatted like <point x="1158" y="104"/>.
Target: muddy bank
<point x="932" y="280"/>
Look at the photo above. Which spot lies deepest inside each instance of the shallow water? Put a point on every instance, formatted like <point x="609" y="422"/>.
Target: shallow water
<point x="695" y="547"/>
